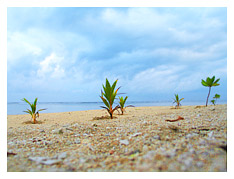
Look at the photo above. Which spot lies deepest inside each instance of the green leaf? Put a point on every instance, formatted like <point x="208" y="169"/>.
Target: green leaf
<point x="215" y="84"/>
<point x="105" y="102"/>
<point x="26" y="101"/>
<point x="35" y="102"/>
<point x="105" y="108"/>
<point x="41" y="109"/>
<point x="28" y="111"/>
<point x="125" y="99"/>
<point x="113" y="86"/>
<point x="181" y="99"/>
<point x="217" y="80"/>
<point x="212" y="79"/>
<point x="204" y="83"/>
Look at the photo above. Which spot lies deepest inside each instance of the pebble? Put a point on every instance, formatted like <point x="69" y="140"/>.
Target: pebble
<point x="145" y="148"/>
<point x="210" y="134"/>
<point x="188" y="162"/>
<point x="57" y="131"/>
<point x="124" y="142"/>
<point x="200" y="164"/>
<point x="149" y="155"/>
<point x="157" y="137"/>
<point x="136" y="134"/>
<point x="51" y="162"/>
<point x="191" y="135"/>
<point x="62" y="155"/>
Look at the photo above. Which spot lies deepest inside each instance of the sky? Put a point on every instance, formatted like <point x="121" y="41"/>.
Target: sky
<point x="65" y="54"/>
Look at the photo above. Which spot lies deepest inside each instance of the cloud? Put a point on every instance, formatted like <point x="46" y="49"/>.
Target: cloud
<point x="159" y="79"/>
<point x="51" y="66"/>
<point x="150" y="50"/>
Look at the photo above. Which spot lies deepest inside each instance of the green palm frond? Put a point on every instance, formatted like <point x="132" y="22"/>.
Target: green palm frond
<point x="177" y="100"/>
<point x="209" y="83"/>
<point x="24" y="99"/>
<point x="28" y="111"/>
<point x="108" y="96"/>
<point x="33" y="106"/>
<point x="217" y="96"/>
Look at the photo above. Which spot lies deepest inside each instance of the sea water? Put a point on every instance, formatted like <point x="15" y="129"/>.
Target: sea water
<point x="14" y="108"/>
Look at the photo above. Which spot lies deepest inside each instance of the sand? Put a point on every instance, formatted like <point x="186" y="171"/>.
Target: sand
<point x="143" y="139"/>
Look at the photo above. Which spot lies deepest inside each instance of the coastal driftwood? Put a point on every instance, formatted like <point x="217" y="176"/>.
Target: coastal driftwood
<point x="174" y="120"/>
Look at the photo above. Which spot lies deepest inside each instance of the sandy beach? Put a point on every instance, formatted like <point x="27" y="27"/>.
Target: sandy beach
<point x="143" y="139"/>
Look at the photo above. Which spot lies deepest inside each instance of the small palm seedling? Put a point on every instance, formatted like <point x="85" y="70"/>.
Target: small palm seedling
<point x="177" y="101"/>
<point x="108" y="97"/>
<point x="33" y="111"/>
<point x="122" y="103"/>
<point x="209" y="83"/>
<point x="213" y="101"/>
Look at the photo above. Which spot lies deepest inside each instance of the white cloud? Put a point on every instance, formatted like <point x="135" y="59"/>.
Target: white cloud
<point x="136" y="20"/>
<point x="20" y="45"/>
<point x="159" y="79"/>
<point x="51" y="67"/>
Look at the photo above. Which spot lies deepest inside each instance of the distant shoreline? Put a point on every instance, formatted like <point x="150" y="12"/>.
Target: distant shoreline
<point x="140" y="107"/>
<point x="56" y="107"/>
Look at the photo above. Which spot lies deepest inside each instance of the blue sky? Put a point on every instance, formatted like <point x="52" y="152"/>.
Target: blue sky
<point x="65" y="54"/>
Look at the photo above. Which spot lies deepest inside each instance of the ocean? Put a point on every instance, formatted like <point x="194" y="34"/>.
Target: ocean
<point x="15" y="108"/>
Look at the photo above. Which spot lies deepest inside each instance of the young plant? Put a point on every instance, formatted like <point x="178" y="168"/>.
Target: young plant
<point x="122" y="103"/>
<point x="108" y="97"/>
<point x="177" y="101"/>
<point x="209" y="83"/>
<point x="213" y="101"/>
<point x="33" y="111"/>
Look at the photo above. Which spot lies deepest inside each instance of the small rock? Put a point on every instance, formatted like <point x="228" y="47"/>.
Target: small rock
<point x="77" y="141"/>
<point x="134" y="152"/>
<point x="75" y="125"/>
<point x="191" y="135"/>
<point x="210" y="134"/>
<point x="150" y="155"/>
<point x="57" y="131"/>
<point x="51" y="162"/>
<point x="124" y="142"/>
<point x="90" y="147"/>
<point x="145" y="148"/>
<point x="157" y="137"/>
<point x="200" y="164"/>
<point x="192" y="151"/>
<point x="38" y="159"/>
<point x="188" y="162"/>
<point x="62" y="155"/>
<point x="69" y="142"/>
<point x="136" y="134"/>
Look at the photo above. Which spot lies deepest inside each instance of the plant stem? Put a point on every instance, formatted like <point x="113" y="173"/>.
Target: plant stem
<point x="111" y="115"/>
<point x="34" y="118"/>
<point x="208" y="96"/>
